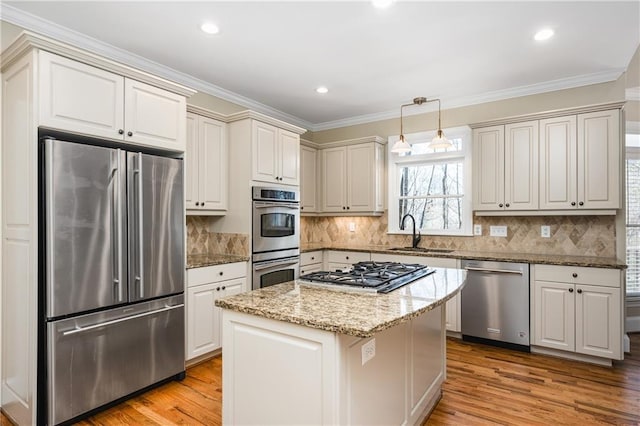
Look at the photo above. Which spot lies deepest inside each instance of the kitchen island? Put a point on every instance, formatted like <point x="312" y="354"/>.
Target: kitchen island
<point x="298" y="354"/>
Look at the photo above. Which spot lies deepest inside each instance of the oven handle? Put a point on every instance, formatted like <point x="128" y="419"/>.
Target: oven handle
<point x="272" y="263"/>
<point x="266" y="205"/>
<point x="494" y="271"/>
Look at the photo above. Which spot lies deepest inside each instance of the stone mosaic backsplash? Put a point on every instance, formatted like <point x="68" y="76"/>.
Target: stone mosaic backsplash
<point x="570" y="235"/>
<point x="202" y="241"/>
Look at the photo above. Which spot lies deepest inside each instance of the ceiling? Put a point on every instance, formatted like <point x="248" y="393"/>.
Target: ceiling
<point x="272" y="55"/>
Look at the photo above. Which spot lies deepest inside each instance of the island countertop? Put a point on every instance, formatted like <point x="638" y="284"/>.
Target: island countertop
<point x="347" y="312"/>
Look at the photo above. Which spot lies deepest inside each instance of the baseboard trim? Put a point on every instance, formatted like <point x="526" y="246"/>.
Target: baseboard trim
<point x="606" y="362"/>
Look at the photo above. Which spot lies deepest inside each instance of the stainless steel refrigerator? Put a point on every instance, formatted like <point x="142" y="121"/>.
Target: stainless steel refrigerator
<point x="112" y="277"/>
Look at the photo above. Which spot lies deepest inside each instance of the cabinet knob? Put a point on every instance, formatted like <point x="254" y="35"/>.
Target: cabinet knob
<point x="301" y="271"/>
<point x="579" y="291"/>
<point x="348" y="207"/>
<point x="218" y="289"/>
<point x="574" y="275"/>
<point x="313" y="258"/>
<point x="506" y="205"/>
<point x="570" y="290"/>
<point x="129" y="133"/>
<point x="224" y="287"/>
<point x="221" y="273"/>
<point x="347" y="257"/>
<point x="301" y="208"/>
<point x="573" y="203"/>
<point x="197" y="203"/>
<point x="581" y="203"/>
<point x="500" y="205"/>
<point x="120" y="132"/>
<point x="344" y="208"/>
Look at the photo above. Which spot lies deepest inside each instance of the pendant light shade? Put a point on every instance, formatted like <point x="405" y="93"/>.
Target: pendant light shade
<point x="438" y="142"/>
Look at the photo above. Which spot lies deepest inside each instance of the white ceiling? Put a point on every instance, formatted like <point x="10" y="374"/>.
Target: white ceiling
<point x="372" y="61"/>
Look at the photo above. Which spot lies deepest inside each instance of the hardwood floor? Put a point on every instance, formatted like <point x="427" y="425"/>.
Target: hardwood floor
<point x="485" y="385"/>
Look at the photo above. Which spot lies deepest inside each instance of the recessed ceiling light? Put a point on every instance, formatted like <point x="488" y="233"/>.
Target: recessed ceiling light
<point x="210" y="28"/>
<point x="543" y="34"/>
<point x="322" y="89"/>
<point x="382" y="4"/>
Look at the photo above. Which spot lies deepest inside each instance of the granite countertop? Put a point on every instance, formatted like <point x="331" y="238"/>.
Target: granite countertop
<point x="348" y="312"/>
<point x="547" y="259"/>
<point x="201" y="260"/>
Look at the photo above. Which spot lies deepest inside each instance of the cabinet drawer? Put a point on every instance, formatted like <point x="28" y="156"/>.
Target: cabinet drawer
<point x="349" y="257"/>
<point x="216" y="273"/>
<point x="578" y="275"/>
<point x="310" y="268"/>
<point x="310" y="258"/>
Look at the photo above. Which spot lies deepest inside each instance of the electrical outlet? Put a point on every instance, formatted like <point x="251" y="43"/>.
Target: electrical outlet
<point x="545" y="231"/>
<point x="477" y="229"/>
<point x="498" y="231"/>
<point x="352" y="227"/>
<point x="368" y="351"/>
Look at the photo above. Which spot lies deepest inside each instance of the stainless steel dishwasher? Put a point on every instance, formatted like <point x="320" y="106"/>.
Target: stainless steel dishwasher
<point x="495" y="304"/>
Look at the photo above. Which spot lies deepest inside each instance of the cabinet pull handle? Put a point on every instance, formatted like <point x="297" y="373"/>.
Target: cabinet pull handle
<point x="120" y="132"/>
<point x="500" y="205"/>
<point x="574" y="275"/>
<point x="570" y="290"/>
<point x="573" y="203"/>
<point x="581" y="203"/>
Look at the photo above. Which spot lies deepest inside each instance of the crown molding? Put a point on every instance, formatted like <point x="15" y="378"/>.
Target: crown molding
<point x="254" y="115"/>
<point x="310" y="144"/>
<point x="83" y="42"/>
<point x="456" y="102"/>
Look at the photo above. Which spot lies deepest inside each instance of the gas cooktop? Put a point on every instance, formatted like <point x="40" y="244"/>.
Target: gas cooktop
<point x="373" y="277"/>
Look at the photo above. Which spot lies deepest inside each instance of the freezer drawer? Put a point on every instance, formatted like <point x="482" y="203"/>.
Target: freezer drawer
<point x="97" y="358"/>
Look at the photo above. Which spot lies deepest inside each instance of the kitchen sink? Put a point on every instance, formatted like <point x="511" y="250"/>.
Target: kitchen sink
<point x="422" y="249"/>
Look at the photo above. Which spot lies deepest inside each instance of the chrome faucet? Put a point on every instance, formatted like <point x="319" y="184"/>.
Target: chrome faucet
<point x="415" y="239"/>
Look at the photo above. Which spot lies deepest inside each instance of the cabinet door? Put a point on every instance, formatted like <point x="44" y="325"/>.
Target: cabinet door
<point x="264" y="150"/>
<point x="191" y="163"/>
<point x="224" y="289"/>
<point x="154" y="117"/>
<point x="289" y="158"/>
<point x="80" y="98"/>
<point x="361" y="178"/>
<point x="554" y="315"/>
<point x="558" y="169"/>
<point x="203" y="334"/>
<point x="308" y="179"/>
<point x="488" y="168"/>
<point x="453" y="314"/>
<point x="317" y="267"/>
<point x="598" y="321"/>
<point x="599" y="160"/>
<point x="521" y="166"/>
<point x="334" y="182"/>
<point x="213" y="164"/>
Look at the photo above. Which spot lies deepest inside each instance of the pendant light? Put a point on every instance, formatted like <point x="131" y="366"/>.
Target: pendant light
<point x="439" y="141"/>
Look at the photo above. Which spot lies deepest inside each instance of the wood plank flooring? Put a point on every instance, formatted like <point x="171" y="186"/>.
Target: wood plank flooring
<point x="485" y="385"/>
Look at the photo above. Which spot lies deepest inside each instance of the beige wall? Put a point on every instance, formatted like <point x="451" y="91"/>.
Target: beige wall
<point x="633" y="70"/>
<point x="580" y="96"/>
<point x="8" y="33"/>
<point x="213" y="103"/>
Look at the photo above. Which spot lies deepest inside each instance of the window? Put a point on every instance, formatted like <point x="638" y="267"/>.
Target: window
<point x="633" y="214"/>
<point x="434" y="186"/>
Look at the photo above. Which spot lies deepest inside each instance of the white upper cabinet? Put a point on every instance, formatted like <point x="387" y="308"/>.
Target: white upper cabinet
<point x="276" y="155"/>
<point x="506" y="167"/>
<point x="206" y="165"/>
<point x="308" y="179"/>
<point x="84" y="99"/>
<point x="580" y="161"/>
<point x="352" y="178"/>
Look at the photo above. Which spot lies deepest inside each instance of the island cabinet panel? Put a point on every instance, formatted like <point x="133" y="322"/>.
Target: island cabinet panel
<point x="276" y="372"/>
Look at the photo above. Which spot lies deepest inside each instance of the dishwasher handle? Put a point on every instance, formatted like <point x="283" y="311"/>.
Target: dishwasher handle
<point x="493" y="271"/>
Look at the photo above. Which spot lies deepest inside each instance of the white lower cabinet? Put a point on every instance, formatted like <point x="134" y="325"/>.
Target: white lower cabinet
<point x="335" y="259"/>
<point x="578" y="309"/>
<point x="205" y="285"/>
<point x="452" y="312"/>
<point x="310" y="262"/>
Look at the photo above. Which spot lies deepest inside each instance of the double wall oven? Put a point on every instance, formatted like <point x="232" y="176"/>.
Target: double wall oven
<point x="276" y="235"/>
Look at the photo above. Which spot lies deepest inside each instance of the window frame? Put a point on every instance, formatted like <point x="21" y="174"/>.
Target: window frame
<point x="395" y="161"/>
<point x="631" y="152"/>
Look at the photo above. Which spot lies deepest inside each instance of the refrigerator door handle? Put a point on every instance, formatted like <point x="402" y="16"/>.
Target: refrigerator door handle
<point x="116" y="321"/>
<point x="138" y="205"/>
<point x="48" y="158"/>
<point x="116" y="207"/>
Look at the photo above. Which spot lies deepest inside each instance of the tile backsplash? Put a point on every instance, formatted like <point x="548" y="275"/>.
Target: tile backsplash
<point x="570" y="235"/>
<point x="202" y="241"/>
